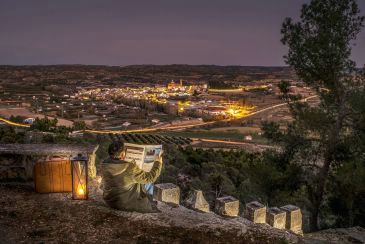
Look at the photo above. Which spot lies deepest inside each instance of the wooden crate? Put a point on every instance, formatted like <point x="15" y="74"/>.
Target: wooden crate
<point x="53" y="175"/>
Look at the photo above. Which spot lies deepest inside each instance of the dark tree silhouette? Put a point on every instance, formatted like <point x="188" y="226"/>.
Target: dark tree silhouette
<point x="319" y="52"/>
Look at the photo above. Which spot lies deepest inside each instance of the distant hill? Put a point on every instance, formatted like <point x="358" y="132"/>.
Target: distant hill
<point x="206" y="72"/>
<point x="141" y="73"/>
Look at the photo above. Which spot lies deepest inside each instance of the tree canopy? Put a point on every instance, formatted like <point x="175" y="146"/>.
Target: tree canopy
<point x="326" y="138"/>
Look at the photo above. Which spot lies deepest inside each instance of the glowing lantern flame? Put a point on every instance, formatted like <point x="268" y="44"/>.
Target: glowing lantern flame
<point x="81" y="191"/>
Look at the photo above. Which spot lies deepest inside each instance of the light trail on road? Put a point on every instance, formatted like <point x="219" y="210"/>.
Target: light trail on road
<point x="14" y="123"/>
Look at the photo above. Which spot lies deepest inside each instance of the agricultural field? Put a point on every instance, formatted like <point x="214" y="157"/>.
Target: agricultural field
<point x="149" y="139"/>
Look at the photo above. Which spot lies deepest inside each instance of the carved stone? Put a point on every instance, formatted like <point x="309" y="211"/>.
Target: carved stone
<point x="276" y="217"/>
<point x="197" y="201"/>
<point x="256" y="212"/>
<point x="167" y="192"/>
<point x="227" y="206"/>
<point x="293" y="218"/>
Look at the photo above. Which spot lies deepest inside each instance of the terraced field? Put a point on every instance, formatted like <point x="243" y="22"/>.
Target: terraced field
<point x="152" y="139"/>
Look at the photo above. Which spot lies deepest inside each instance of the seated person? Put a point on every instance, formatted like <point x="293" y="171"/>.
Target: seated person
<point x="125" y="183"/>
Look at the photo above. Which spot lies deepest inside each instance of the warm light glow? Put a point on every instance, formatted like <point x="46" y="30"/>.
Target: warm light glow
<point x="231" y="111"/>
<point x="81" y="191"/>
<point x="79" y="178"/>
<point x="236" y="111"/>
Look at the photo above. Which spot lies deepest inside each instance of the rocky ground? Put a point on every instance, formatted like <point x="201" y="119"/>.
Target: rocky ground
<point x="28" y="217"/>
<point x="337" y="236"/>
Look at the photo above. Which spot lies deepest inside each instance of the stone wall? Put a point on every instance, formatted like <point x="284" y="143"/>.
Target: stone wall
<point x="17" y="160"/>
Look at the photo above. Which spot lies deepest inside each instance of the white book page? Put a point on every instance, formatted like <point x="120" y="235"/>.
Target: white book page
<point x="151" y="154"/>
<point x="143" y="155"/>
<point x="134" y="152"/>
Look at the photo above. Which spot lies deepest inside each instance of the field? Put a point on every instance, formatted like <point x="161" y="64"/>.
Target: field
<point x="222" y="133"/>
<point x="7" y="112"/>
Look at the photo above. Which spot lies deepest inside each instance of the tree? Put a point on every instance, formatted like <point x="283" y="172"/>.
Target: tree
<point x="17" y="119"/>
<point x="44" y="124"/>
<point x="319" y="52"/>
<point x="79" y="125"/>
<point x="347" y="196"/>
<point x="9" y="135"/>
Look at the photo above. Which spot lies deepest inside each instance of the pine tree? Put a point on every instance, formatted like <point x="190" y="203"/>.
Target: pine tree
<point x="319" y="52"/>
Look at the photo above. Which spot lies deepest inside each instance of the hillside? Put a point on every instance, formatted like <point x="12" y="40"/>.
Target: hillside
<point x="56" y="218"/>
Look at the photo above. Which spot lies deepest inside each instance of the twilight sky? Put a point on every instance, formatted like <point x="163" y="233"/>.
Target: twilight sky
<point x="114" y="32"/>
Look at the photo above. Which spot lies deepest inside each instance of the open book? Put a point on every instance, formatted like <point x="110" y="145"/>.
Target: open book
<point x="143" y="155"/>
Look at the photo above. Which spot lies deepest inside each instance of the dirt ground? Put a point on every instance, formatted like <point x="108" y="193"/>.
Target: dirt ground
<point x="7" y="112"/>
<point x="28" y="217"/>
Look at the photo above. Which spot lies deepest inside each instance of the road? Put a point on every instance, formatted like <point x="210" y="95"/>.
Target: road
<point x="263" y="146"/>
<point x="13" y="123"/>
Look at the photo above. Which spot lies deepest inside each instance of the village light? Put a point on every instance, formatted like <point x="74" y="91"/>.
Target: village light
<point x="79" y="177"/>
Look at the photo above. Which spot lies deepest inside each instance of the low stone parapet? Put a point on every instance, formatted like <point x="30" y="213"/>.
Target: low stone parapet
<point x="17" y="160"/>
<point x="256" y="212"/>
<point x="293" y="218"/>
<point x="227" y="206"/>
<point x="276" y="217"/>
<point x="167" y="192"/>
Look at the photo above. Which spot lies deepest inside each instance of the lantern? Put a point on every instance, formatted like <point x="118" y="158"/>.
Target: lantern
<point x="79" y="177"/>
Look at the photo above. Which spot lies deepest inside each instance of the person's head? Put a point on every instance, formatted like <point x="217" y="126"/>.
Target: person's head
<point x="115" y="149"/>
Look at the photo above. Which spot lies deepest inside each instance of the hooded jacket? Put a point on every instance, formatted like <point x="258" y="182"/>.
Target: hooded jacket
<point x="124" y="185"/>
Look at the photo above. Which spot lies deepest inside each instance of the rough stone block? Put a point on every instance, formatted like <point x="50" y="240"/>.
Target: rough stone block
<point x="276" y="217"/>
<point x="197" y="201"/>
<point x="167" y="192"/>
<point x="9" y="160"/>
<point x="256" y="212"/>
<point x="227" y="206"/>
<point x="293" y="218"/>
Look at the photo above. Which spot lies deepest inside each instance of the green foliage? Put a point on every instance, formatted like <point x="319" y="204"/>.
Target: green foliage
<point x="16" y="119"/>
<point x="320" y="44"/>
<point x="347" y="198"/>
<point x="324" y="142"/>
<point x="271" y="130"/>
<point x="9" y="135"/>
<point x="284" y="86"/>
<point x="44" y="124"/>
<point x="79" y="125"/>
<point x="247" y="176"/>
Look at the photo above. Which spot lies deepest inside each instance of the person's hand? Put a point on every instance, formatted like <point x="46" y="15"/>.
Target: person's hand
<point x="159" y="157"/>
<point x="122" y="155"/>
